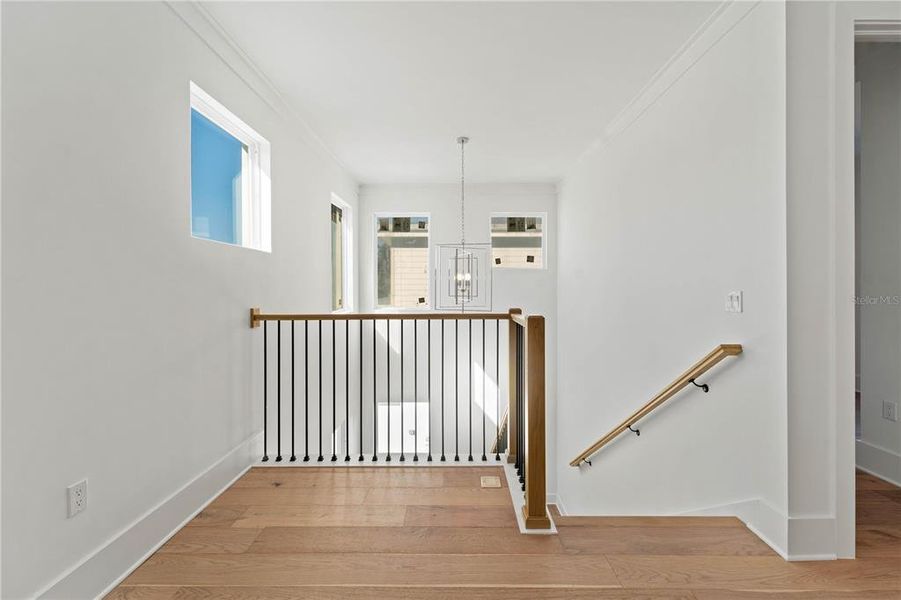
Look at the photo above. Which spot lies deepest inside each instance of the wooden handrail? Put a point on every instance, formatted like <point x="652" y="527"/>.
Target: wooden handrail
<point x="698" y="369"/>
<point x="256" y="317"/>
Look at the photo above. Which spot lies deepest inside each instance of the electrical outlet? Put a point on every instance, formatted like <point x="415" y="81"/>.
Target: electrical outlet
<point x="734" y="302"/>
<point x="77" y="494"/>
<point x="890" y="410"/>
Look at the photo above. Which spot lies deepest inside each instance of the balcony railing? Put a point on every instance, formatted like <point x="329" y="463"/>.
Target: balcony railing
<point x="387" y="388"/>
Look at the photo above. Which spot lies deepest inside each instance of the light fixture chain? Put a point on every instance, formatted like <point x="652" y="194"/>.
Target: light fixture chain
<point x="463" y="192"/>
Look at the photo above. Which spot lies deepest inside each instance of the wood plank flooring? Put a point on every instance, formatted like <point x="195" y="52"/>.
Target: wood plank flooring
<point x="435" y="534"/>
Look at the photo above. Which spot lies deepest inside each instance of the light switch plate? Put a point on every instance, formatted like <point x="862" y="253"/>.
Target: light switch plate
<point x="734" y="302"/>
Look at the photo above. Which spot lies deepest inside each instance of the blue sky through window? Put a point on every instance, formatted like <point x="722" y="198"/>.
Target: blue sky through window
<point x="215" y="181"/>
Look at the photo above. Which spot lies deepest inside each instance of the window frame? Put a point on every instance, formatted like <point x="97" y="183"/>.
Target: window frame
<point x="544" y="235"/>
<point x="255" y="216"/>
<point x="346" y="250"/>
<point x="427" y="307"/>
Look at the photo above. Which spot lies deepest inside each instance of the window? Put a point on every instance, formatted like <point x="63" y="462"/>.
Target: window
<point x="230" y="200"/>
<point x="517" y="241"/>
<point x="402" y="261"/>
<point x="339" y="258"/>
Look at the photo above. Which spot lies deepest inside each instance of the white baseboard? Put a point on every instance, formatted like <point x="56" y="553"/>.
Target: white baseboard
<point x="558" y="502"/>
<point x="812" y="538"/>
<point x="519" y="502"/>
<point x="758" y="515"/>
<point x="105" y="567"/>
<point x="381" y="463"/>
<point x="795" y="539"/>
<point x="555" y="500"/>
<point x="879" y="462"/>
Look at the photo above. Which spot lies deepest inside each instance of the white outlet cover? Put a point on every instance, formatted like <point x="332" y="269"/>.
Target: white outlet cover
<point x="890" y="410"/>
<point x="77" y="495"/>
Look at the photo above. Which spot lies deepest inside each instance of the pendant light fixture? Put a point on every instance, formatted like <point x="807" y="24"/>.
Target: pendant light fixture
<point x="465" y="267"/>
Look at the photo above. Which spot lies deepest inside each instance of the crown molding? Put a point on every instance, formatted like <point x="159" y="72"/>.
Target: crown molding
<point x="199" y="20"/>
<point x="720" y="22"/>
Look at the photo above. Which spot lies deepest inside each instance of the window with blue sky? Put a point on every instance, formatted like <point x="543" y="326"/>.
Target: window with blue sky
<point x="217" y="160"/>
<point x="230" y="186"/>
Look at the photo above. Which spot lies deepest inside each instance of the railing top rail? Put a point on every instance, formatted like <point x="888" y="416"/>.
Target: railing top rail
<point x="256" y="317"/>
<point x="698" y="369"/>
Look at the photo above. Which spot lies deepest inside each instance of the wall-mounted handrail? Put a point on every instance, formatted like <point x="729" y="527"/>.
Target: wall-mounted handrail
<point x="687" y="378"/>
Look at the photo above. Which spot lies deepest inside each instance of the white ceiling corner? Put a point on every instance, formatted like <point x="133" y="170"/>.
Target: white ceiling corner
<point x="386" y="87"/>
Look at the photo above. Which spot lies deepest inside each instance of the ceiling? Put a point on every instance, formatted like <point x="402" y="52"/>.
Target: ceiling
<point x="388" y="87"/>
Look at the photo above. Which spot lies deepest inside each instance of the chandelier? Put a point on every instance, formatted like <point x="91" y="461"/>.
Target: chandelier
<point x="465" y="266"/>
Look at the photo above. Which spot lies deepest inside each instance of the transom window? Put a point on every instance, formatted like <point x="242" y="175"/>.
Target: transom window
<point x="402" y="261"/>
<point x="517" y="241"/>
<point x="230" y="192"/>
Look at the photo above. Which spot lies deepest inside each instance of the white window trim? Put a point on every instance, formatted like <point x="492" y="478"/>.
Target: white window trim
<point x="347" y="223"/>
<point x="544" y="235"/>
<point x="255" y="216"/>
<point x="375" y="261"/>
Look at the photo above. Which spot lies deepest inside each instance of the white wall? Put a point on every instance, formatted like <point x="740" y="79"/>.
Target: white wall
<point x="686" y="203"/>
<point x="531" y="290"/>
<point x="878" y="69"/>
<point x="127" y="358"/>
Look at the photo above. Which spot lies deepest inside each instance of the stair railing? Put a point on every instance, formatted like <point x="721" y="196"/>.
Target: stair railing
<point x="526" y="414"/>
<point x="353" y="361"/>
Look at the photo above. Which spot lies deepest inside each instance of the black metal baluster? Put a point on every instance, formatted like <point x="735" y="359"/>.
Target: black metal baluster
<point x="443" y="458"/>
<point x="497" y="396"/>
<point x="402" y="459"/>
<point x="361" y="391"/>
<point x="306" y="391"/>
<point x="469" y="374"/>
<point x="375" y="408"/>
<point x="320" y="458"/>
<point x="334" y="397"/>
<point x="456" y="390"/>
<point x="415" y="391"/>
<point x="484" y="400"/>
<point x="265" y="390"/>
<point x="347" y="390"/>
<point x="429" y="379"/>
<point x="388" y="371"/>
<point x="278" y="392"/>
<point x="293" y="455"/>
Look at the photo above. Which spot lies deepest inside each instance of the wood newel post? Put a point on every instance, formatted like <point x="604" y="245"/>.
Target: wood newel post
<point x="535" y="509"/>
<point x="511" y="387"/>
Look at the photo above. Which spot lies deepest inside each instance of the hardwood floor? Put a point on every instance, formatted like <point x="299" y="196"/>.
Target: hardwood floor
<point x="434" y="533"/>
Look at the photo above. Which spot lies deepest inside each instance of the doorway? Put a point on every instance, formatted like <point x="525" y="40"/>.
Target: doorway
<point x="877" y="191"/>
